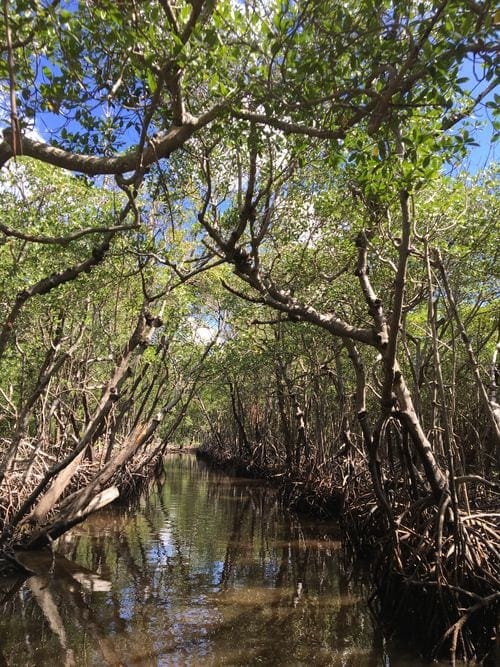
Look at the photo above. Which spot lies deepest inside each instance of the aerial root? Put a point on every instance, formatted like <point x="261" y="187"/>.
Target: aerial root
<point x="436" y="576"/>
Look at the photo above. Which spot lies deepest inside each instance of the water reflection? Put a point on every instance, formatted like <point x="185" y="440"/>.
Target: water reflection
<point x="203" y="570"/>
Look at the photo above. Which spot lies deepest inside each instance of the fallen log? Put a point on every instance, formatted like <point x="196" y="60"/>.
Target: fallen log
<point x="45" y="535"/>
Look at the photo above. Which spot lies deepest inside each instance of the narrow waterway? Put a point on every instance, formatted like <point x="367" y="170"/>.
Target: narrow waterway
<point x="204" y="569"/>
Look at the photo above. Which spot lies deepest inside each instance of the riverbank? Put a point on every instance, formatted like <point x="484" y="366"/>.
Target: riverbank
<point x="52" y="502"/>
<point x="441" y="608"/>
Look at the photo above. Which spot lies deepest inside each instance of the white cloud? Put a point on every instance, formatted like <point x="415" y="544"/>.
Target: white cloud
<point x="202" y="333"/>
<point x="5" y="118"/>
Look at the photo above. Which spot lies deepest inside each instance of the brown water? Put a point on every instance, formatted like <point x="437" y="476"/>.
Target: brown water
<point x="204" y="570"/>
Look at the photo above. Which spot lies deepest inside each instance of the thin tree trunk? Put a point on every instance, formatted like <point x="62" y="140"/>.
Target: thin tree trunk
<point x="491" y="408"/>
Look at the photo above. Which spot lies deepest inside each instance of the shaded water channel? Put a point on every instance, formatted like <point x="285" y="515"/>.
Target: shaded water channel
<point x="204" y="569"/>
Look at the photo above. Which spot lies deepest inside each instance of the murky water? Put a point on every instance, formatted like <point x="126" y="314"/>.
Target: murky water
<point x="204" y="570"/>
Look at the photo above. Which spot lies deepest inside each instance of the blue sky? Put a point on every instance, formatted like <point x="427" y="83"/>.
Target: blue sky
<point x="486" y="153"/>
<point x="480" y="123"/>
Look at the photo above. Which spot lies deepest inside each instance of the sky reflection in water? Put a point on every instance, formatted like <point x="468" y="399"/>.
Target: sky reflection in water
<point x="203" y="570"/>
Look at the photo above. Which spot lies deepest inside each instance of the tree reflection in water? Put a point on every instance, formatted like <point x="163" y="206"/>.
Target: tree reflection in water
<point x="204" y="569"/>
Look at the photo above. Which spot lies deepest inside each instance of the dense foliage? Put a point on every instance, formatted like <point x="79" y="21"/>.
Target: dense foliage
<point x="245" y="225"/>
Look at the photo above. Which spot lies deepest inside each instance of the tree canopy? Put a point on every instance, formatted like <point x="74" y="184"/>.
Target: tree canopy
<point x="243" y="223"/>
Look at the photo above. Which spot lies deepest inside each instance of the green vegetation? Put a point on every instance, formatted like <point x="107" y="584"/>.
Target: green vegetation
<point x="245" y="230"/>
